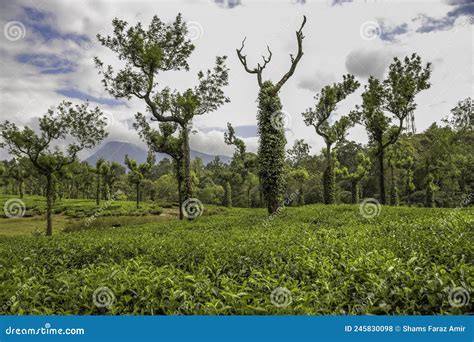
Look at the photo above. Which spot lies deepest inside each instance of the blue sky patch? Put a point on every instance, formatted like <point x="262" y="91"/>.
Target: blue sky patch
<point x="77" y="94"/>
<point x="390" y="33"/>
<point x="44" y="24"/>
<point x="47" y="63"/>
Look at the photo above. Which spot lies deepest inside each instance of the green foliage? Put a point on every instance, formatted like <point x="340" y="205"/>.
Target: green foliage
<point x="300" y="175"/>
<point x="165" y="188"/>
<point x="162" y="47"/>
<point x="271" y="150"/>
<point x="318" y="117"/>
<point x="354" y="170"/>
<point x="394" y="195"/>
<point x="395" y="96"/>
<point x="298" y="155"/>
<point x="211" y="194"/>
<point x="462" y="116"/>
<point x="231" y="139"/>
<point x="430" y="191"/>
<point x="227" y="195"/>
<point x="138" y="172"/>
<point x="146" y="53"/>
<point x="133" y="218"/>
<point x="83" y="127"/>
<point x="332" y="260"/>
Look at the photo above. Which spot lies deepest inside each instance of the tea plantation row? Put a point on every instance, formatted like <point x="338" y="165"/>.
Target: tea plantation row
<point x="309" y="260"/>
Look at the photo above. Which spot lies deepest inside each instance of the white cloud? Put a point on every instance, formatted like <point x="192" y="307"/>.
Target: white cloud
<point x="316" y="81"/>
<point x="332" y="47"/>
<point x="366" y="62"/>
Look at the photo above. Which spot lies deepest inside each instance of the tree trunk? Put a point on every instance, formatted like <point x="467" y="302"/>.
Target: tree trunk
<point x="20" y="188"/>
<point x="49" y="205"/>
<point x="354" y="192"/>
<point x="97" y="197"/>
<point x="393" y="188"/>
<point x="249" y="198"/>
<point x="260" y="194"/>
<point x="138" y="195"/>
<point x="106" y="190"/>
<point x="381" y="176"/>
<point x="271" y="150"/>
<point x="272" y="205"/>
<point x="329" y="181"/>
<point x="227" y="195"/>
<point x="300" y="195"/>
<point x="179" y="178"/>
<point x="187" y="165"/>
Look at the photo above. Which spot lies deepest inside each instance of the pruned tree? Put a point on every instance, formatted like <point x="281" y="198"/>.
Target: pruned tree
<point x="99" y="170"/>
<point x="318" y="117"/>
<point x="300" y="175"/>
<point x="243" y="163"/>
<point x="18" y="169"/>
<point x="138" y="172"/>
<point x="356" y="175"/>
<point x="111" y="173"/>
<point x="389" y="101"/>
<point x="400" y="156"/>
<point x="271" y="151"/>
<point x="204" y="98"/>
<point x="74" y="127"/>
<point x="146" y="53"/>
<point x="165" y="139"/>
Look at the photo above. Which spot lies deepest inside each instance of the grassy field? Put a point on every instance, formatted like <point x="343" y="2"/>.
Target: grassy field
<point x="310" y="260"/>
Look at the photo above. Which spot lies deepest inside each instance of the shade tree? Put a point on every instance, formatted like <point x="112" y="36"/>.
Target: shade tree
<point x="318" y="117"/>
<point x="148" y="52"/>
<point x="387" y="104"/>
<point x="138" y="172"/>
<point x="74" y="127"/>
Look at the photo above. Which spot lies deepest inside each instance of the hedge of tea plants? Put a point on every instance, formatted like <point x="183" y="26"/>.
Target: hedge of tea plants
<point x="310" y="260"/>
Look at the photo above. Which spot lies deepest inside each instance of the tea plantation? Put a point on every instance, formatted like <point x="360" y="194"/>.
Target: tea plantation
<point x="309" y="260"/>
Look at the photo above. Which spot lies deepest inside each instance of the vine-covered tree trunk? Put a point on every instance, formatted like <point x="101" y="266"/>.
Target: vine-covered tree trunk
<point x="329" y="178"/>
<point x="49" y="204"/>
<point x="271" y="151"/>
<point x="380" y="157"/>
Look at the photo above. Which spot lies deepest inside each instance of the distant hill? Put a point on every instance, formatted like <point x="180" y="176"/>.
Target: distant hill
<point x="116" y="151"/>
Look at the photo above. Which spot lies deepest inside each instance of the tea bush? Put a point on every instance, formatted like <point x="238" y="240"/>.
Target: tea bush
<point x="328" y="259"/>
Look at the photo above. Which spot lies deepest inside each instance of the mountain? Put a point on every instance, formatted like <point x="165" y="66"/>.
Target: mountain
<point x="116" y="151"/>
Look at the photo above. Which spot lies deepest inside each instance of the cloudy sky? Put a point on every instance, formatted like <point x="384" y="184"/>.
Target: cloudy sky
<point x="47" y="50"/>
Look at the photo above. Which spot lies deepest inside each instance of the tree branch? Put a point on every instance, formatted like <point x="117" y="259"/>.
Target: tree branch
<point x="294" y="61"/>
<point x="258" y="70"/>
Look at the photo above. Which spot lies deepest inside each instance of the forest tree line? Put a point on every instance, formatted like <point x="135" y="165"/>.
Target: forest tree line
<point x="432" y="168"/>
